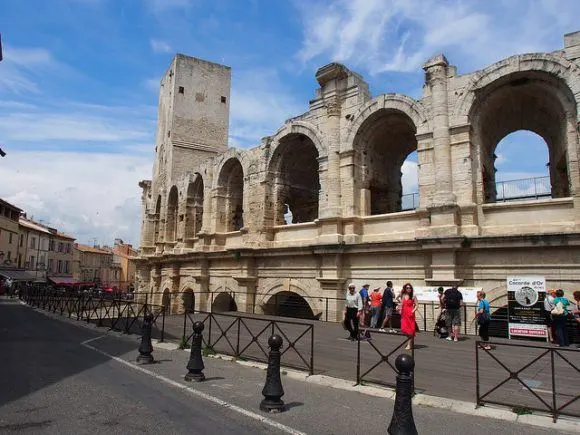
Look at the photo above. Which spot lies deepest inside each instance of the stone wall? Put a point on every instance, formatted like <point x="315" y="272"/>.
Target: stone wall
<point x="337" y="168"/>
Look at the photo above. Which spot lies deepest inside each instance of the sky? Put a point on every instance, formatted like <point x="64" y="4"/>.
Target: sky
<point x="79" y="82"/>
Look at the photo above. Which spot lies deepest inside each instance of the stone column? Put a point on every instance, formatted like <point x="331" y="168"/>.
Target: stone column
<point x="333" y="204"/>
<point x="436" y="78"/>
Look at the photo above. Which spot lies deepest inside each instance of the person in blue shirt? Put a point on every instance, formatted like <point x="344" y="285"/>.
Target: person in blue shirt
<point x="364" y="294"/>
<point x="560" y="320"/>
<point x="483" y="319"/>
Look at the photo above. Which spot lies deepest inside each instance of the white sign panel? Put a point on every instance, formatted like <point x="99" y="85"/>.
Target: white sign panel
<point x="430" y="294"/>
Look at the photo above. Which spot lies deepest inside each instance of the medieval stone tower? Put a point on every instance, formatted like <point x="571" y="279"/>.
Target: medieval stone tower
<point x="193" y="123"/>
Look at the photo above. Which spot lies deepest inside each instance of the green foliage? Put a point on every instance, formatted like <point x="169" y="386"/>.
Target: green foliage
<point x="522" y="410"/>
<point x="183" y="343"/>
<point x="207" y="351"/>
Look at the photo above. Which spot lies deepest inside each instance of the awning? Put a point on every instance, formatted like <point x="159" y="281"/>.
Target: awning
<point x="63" y="280"/>
<point x="18" y="275"/>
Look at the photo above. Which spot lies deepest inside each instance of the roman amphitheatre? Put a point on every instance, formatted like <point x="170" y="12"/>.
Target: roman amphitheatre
<point x="320" y="202"/>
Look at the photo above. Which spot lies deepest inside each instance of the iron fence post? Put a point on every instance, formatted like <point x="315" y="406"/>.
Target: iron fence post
<point x="424" y="319"/>
<point x="476" y="374"/>
<point x="311" y="350"/>
<point x="554" y="409"/>
<point x="465" y="320"/>
<point x="358" y="360"/>
<point x="209" y="331"/>
<point x="326" y="310"/>
<point x="239" y="319"/>
<point x="162" y="327"/>
<point x="184" y="324"/>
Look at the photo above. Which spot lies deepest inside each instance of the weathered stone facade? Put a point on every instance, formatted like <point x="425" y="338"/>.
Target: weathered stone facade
<point x="213" y="217"/>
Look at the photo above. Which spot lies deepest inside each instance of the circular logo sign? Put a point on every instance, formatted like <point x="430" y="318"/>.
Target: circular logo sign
<point x="526" y="296"/>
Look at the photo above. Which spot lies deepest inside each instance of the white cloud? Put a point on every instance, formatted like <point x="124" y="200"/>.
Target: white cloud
<point x="409" y="179"/>
<point x="259" y="106"/>
<point x="83" y="194"/>
<point x="159" y="46"/>
<point x="399" y="35"/>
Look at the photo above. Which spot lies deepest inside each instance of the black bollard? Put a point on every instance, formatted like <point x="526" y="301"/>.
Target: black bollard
<point x="273" y="390"/>
<point x="195" y="364"/>
<point x="402" y="422"/>
<point x="146" y="348"/>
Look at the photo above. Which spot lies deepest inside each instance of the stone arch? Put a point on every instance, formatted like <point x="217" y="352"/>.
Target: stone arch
<point x="382" y="143"/>
<point x="194" y="207"/>
<point x="166" y="300"/>
<point x="294" y="179"/>
<point x="511" y="100"/>
<point x="230" y="196"/>
<point x="299" y="128"/>
<point x="223" y="301"/>
<point x="171" y="215"/>
<point x="397" y="102"/>
<point x="556" y="66"/>
<point x="188" y="299"/>
<point x="265" y="299"/>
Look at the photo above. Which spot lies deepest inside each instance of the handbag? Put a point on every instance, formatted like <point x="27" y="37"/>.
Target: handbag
<point x="558" y="310"/>
<point x="483" y="318"/>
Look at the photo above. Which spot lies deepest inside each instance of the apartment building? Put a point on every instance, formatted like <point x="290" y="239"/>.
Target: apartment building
<point x="60" y="257"/>
<point x="95" y="264"/>
<point x="9" y="215"/>
<point x="125" y="256"/>
<point x="33" y="245"/>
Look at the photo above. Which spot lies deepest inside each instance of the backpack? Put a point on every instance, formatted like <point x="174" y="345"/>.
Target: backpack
<point x="452" y="299"/>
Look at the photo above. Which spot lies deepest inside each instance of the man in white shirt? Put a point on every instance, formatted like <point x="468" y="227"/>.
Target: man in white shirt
<point x="353" y="308"/>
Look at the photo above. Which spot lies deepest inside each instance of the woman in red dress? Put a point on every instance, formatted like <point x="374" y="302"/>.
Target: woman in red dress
<point x="408" y="307"/>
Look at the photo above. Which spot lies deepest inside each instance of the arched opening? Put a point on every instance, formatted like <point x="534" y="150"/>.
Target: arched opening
<point x="231" y="196"/>
<point x="288" y="304"/>
<point x="171" y="220"/>
<point x="157" y="219"/>
<point x="194" y="210"/>
<point x="410" y="182"/>
<point x="224" y="302"/>
<point x="166" y="300"/>
<point x="296" y="182"/>
<point x="534" y="101"/>
<point x="518" y="178"/>
<point x="188" y="299"/>
<point x="382" y="145"/>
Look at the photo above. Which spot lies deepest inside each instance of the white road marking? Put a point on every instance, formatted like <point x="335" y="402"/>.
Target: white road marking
<point x="195" y="392"/>
<point x="84" y="343"/>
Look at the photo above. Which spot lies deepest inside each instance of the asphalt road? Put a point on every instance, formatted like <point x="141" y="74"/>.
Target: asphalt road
<point x="50" y="383"/>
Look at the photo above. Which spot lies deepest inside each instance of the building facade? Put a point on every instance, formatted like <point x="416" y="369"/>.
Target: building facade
<point x="60" y="257"/>
<point x="126" y="257"/>
<point x="9" y="231"/>
<point x="34" y="244"/>
<point x="215" y="219"/>
<point x="95" y="264"/>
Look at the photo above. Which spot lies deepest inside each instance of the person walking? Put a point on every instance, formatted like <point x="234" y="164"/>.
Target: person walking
<point x="376" y="298"/>
<point x="408" y="307"/>
<point x="388" y="304"/>
<point x="483" y="319"/>
<point x="559" y="316"/>
<point x="352" y="310"/>
<point x="576" y="313"/>
<point x="453" y="300"/>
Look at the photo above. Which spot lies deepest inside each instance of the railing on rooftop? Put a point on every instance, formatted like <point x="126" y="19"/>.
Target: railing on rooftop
<point x="410" y="201"/>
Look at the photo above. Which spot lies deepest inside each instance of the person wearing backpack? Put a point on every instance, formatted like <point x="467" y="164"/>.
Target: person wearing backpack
<point x="453" y="300"/>
<point x="560" y="315"/>
<point x="483" y="319"/>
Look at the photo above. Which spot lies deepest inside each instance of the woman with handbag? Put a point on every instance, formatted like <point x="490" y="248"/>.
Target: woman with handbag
<point x="559" y="316"/>
<point x="483" y="319"/>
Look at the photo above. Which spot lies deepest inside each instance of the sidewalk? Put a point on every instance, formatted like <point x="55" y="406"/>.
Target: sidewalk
<point x="443" y="369"/>
<point x="313" y="408"/>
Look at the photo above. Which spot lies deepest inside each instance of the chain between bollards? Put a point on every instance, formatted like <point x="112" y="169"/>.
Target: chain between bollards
<point x="273" y="390"/>
<point x="146" y="348"/>
<point x="195" y="365"/>
<point x="402" y="422"/>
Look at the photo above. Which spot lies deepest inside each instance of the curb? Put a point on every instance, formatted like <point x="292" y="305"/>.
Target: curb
<point x="462" y="407"/>
<point x="563" y="423"/>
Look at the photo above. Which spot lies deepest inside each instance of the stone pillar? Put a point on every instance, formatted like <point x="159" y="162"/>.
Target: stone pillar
<point x="436" y="78"/>
<point x="333" y="204"/>
<point x="143" y="280"/>
<point x="155" y="283"/>
<point x="330" y="269"/>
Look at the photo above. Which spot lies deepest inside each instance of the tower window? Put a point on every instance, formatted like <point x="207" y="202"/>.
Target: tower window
<point x="223" y="99"/>
<point x="181" y="90"/>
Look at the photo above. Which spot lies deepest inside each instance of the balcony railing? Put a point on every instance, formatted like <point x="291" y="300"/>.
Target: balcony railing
<point x="410" y="201"/>
<point x="525" y="188"/>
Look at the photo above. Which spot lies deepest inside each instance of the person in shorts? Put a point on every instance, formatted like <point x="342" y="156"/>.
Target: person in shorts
<point x="453" y="300"/>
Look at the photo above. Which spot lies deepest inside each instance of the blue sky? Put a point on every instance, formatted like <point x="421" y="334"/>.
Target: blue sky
<point x="79" y="81"/>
